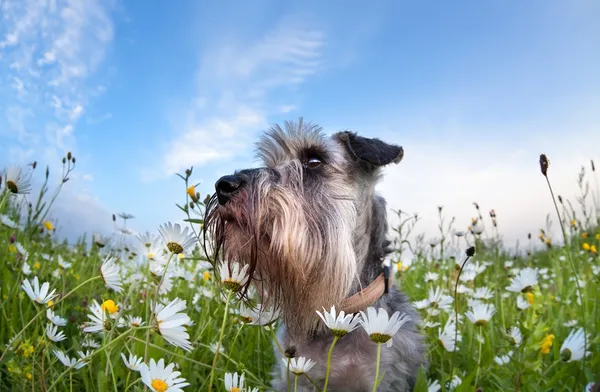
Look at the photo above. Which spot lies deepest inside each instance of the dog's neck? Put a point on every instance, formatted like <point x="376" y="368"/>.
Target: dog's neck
<point x="369" y="294"/>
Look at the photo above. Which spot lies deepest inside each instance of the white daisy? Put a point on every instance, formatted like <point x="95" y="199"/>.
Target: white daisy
<point x="573" y="348"/>
<point x="438" y="300"/>
<point x="6" y="221"/>
<point x="235" y="279"/>
<point x="483" y="293"/>
<point x="67" y="361"/>
<point x="299" y="365"/>
<point x="480" y="314"/>
<point x="503" y="359"/>
<point x="134" y="362"/>
<point x="37" y="294"/>
<point x="22" y="251"/>
<point x="433" y="386"/>
<point x="17" y="181"/>
<point x="90" y="343"/>
<point x="26" y="268"/>
<point x="134" y="321"/>
<point x="570" y="323"/>
<point x="524" y="281"/>
<point x="56" y="320"/>
<point x="177" y="241"/>
<point x="111" y="274"/>
<point x="171" y="324"/>
<point x="100" y="322"/>
<point x="256" y="316"/>
<point x="447" y="335"/>
<point x="51" y="332"/>
<point x="379" y="327"/>
<point x="522" y="303"/>
<point x="515" y="335"/>
<point x="340" y="325"/>
<point x="159" y="378"/>
<point x="431" y="276"/>
<point x="233" y="383"/>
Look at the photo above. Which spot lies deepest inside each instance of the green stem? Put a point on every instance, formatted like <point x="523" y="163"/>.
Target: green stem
<point x="479" y="356"/>
<point x="377" y="367"/>
<point x="296" y="383"/>
<point x="100" y="350"/>
<point x="44" y="311"/>
<point x="335" y="339"/>
<point x="212" y="369"/>
<point x="579" y="291"/>
<point x="4" y="198"/>
<point x="152" y="313"/>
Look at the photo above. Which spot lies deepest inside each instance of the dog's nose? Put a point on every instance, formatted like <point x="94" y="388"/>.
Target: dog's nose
<point x="226" y="187"/>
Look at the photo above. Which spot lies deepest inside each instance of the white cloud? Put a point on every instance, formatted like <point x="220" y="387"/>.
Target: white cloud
<point x="501" y="174"/>
<point x="50" y="50"/>
<point x="236" y="82"/>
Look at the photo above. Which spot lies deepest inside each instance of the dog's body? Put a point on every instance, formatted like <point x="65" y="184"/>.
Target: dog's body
<point x="313" y="231"/>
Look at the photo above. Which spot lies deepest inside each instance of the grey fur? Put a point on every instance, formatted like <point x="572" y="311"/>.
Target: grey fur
<point x="317" y="236"/>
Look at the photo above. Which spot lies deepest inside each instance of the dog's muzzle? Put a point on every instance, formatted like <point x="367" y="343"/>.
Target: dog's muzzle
<point x="226" y="188"/>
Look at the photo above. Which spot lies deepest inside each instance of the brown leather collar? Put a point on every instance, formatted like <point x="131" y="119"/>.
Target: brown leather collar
<point x="367" y="296"/>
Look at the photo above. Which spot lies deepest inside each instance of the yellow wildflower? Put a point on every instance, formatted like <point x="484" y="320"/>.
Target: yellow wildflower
<point x="110" y="306"/>
<point x="12" y="248"/>
<point x="598" y="236"/>
<point x="584" y="236"/>
<point x="191" y="191"/>
<point x="29" y="376"/>
<point x="27" y="349"/>
<point x="573" y="222"/>
<point x="530" y="298"/>
<point x="50" y="303"/>
<point x="586" y="246"/>
<point x="548" y="241"/>
<point x="593" y="249"/>
<point x="37" y="265"/>
<point x="206" y="276"/>
<point x="547" y="344"/>
<point x="48" y="225"/>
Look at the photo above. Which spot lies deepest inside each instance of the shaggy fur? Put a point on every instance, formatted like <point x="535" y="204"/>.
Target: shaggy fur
<point x="313" y="232"/>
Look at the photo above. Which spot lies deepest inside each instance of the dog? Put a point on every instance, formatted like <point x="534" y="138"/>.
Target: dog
<point x="312" y="230"/>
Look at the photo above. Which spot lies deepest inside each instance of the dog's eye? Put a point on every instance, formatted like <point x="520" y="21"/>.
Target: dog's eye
<point x="313" y="162"/>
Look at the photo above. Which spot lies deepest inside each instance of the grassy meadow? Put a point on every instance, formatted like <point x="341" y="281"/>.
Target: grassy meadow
<point x="83" y="317"/>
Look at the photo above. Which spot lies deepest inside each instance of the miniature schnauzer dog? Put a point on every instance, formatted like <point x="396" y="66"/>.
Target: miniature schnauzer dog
<point x="313" y="232"/>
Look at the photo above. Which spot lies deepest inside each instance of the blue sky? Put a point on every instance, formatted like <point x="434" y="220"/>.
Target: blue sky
<point x="138" y="91"/>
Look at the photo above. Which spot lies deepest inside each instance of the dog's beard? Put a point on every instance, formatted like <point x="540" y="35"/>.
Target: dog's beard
<point x="300" y="257"/>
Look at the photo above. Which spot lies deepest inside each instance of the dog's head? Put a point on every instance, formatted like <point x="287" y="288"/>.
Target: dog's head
<point x="303" y="221"/>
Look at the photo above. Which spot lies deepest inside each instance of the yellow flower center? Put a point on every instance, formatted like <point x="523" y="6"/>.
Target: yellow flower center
<point x="110" y="306"/>
<point x="48" y="225"/>
<point x="380" y="337"/>
<point x="235" y="389"/>
<point x="150" y="256"/>
<point x="174" y="247"/>
<point x="159" y="385"/>
<point x="12" y="186"/>
<point x="50" y="303"/>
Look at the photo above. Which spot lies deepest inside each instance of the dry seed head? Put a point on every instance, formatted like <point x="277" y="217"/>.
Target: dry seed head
<point x="593" y="167"/>
<point x="544" y="163"/>
<point x="69" y="155"/>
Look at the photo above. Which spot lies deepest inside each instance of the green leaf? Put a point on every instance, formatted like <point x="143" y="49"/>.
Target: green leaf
<point x="194" y="220"/>
<point x="421" y="385"/>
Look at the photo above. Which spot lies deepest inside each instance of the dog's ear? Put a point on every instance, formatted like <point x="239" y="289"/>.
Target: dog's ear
<point x="371" y="151"/>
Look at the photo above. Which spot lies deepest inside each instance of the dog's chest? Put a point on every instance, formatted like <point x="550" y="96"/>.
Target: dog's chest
<point x="352" y="362"/>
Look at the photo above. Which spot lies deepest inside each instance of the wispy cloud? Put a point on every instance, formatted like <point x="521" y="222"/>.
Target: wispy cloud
<point x="49" y="53"/>
<point x="237" y="83"/>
